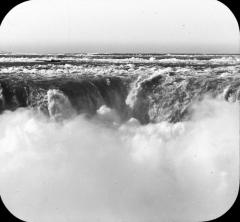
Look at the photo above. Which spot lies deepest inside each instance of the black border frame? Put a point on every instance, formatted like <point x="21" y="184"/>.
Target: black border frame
<point x="230" y="215"/>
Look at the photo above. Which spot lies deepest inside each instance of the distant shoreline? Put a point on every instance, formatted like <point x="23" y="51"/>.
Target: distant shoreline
<point x="115" y="53"/>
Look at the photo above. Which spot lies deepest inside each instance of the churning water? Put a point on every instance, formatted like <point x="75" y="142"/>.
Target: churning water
<point x="119" y="137"/>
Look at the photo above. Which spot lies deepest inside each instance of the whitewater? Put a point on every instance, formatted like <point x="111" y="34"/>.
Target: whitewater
<point x="119" y="137"/>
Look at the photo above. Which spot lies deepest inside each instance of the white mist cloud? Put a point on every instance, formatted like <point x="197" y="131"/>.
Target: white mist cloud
<point x="93" y="170"/>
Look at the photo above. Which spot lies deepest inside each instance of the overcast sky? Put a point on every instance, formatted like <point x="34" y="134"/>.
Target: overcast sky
<point x="172" y="26"/>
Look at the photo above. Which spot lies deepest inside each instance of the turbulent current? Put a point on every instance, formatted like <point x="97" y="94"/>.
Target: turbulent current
<point x="150" y="88"/>
<point x="119" y="137"/>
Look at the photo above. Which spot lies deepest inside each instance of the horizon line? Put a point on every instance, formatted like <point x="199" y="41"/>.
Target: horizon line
<point x="121" y="53"/>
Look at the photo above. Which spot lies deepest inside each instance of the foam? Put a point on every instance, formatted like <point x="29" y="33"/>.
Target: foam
<point x="86" y="170"/>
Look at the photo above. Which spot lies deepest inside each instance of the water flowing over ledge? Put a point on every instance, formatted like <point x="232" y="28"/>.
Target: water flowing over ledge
<point x="119" y="140"/>
<point x="138" y="86"/>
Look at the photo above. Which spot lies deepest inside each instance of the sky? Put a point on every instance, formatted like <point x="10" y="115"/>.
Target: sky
<point x="151" y="26"/>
